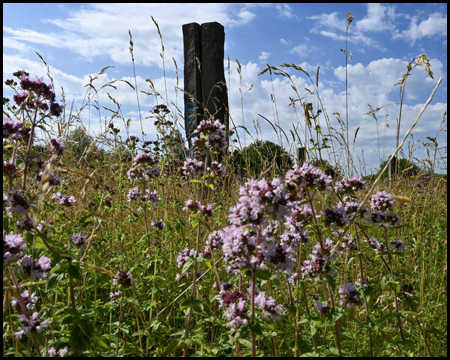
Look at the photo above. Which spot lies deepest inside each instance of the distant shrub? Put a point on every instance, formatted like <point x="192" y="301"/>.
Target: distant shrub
<point x="258" y="157"/>
<point x="406" y="168"/>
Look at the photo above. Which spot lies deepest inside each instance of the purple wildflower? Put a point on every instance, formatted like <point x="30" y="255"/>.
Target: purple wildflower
<point x="36" y="269"/>
<point x="376" y="245"/>
<point x="60" y="353"/>
<point x="17" y="202"/>
<point x="213" y="133"/>
<point x="382" y="201"/>
<point x="350" y="185"/>
<point x="398" y="245"/>
<point x="192" y="166"/>
<point x="281" y="255"/>
<point x="362" y="282"/>
<point x="235" y="303"/>
<point x="336" y="216"/>
<point x="25" y="224"/>
<point x="153" y="196"/>
<point x="186" y="254"/>
<point x="214" y="241"/>
<point x="33" y="325"/>
<point x="323" y="308"/>
<point x="308" y="176"/>
<point x="191" y="205"/>
<point x="12" y="248"/>
<point x="159" y="224"/>
<point x="350" y="296"/>
<point x="56" y="147"/>
<point x="133" y="195"/>
<point x="65" y="200"/>
<point x="123" y="278"/>
<point x="217" y="169"/>
<point x="270" y="309"/>
<point x="133" y="174"/>
<point x="80" y="241"/>
<point x="11" y="128"/>
<point x="144" y="158"/>
<point x="114" y="296"/>
<point x="29" y="301"/>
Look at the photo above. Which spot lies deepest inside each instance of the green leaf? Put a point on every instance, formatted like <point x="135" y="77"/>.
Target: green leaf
<point x="255" y="327"/>
<point x="263" y="274"/>
<point x="196" y="181"/>
<point x="197" y="305"/>
<point x="53" y="280"/>
<point x="74" y="271"/>
<point x="211" y="186"/>
<point x="387" y="316"/>
<point x="172" y="347"/>
<point x="98" y="341"/>
<point x="330" y="280"/>
<point x="71" y="311"/>
<point x="246" y="343"/>
<point x="187" y="265"/>
<point x="86" y="325"/>
<point x="194" y="223"/>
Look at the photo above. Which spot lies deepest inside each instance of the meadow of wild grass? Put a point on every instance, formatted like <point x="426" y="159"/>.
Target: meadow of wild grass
<point x="142" y="248"/>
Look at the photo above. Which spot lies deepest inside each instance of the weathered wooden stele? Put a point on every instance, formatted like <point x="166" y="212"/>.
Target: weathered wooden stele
<point x="204" y="76"/>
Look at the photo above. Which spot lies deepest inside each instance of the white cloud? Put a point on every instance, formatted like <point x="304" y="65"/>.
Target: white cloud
<point x="264" y="55"/>
<point x="436" y="24"/>
<point x="378" y="18"/>
<point x="284" y="42"/>
<point x="285" y="11"/>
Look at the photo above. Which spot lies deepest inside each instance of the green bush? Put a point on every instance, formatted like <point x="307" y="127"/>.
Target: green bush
<point x="258" y="157"/>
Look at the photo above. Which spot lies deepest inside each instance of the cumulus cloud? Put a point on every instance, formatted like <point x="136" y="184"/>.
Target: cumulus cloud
<point x="435" y="25"/>
<point x="378" y="18"/>
<point x="264" y="55"/>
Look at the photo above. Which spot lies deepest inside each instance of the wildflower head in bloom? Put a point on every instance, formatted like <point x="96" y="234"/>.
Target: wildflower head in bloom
<point x="336" y="216"/>
<point x="80" y="241"/>
<point x="235" y="303"/>
<point x="152" y="197"/>
<point x="9" y="168"/>
<point x="214" y="241"/>
<point x="29" y="301"/>
<point x="206" y="210"/>
<point x="11" y="128"/>
<point x="36" y="269"/>
<point x="212" y="134"/>
<point x="268" y="306"/>
<point x="123" y="278"/>
<point x="133" y="195"/>
<point x="217" y="169"/>
<point x="31" y="325"/>
<point x="114" y="296"/>
<point x="56" y="147"/>
<point x="17" y="202"/>
<point x="350" y="185"/>
<point x="12" y="248"/>
<point x="64" y="200"/>
<point x="348" y="244"/>
<point x="308" y="176"/>
<point x="350" y="296"/>
<point x="25" y="224"/>
<point x="159" y="224"/>
<point x="382" y="201"/>
<point x="279" y="254"/>
<point x="186" y="254"/>
<point x="398" y="245"/>
<point x="351" y="206"/>
<point x="191" y="205"/>
<point x="60" y="353"/>
<point x="145" y="158"/>
<point x="362" y="282"/>
<point x="133" y="174"/>
<point x="300" y="216"/>
<point x="323" y="308"/>
<point x="37" y="86"/>
<point x="192" y="166"/>
<point x="376" y="245"/>
<point x="239" y="245"/>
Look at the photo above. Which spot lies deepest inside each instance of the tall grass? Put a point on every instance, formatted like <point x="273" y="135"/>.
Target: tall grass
<point x="173" y="281"/>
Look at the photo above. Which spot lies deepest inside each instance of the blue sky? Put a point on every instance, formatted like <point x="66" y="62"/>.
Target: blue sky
<point x="78" y="40"/>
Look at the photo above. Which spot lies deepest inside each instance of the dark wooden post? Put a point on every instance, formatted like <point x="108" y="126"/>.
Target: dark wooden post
<point x="205" y="42"/>
<point x="301" y="156"/>
<point x="392" y="168"/>
<point x="193" y="112"/>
